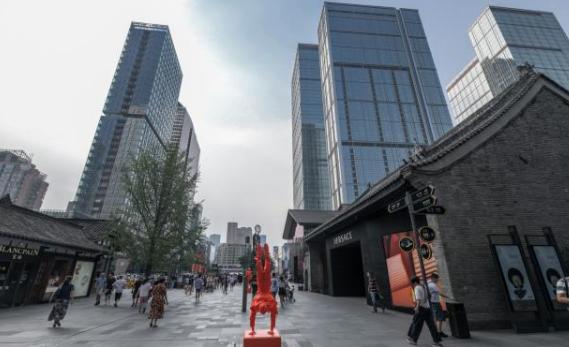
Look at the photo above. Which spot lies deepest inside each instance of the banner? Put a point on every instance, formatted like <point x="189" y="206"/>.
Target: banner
<point x="82" y="277"/>
<point x="550" y="271"/>
<point x="516" y="278"/>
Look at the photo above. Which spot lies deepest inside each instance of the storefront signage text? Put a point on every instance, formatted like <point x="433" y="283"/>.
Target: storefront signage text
<point x="343" y="238"/>
<point x="18" y="252"/>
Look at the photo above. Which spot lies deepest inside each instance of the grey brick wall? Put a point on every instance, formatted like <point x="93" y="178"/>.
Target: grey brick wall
<point x="519" y="177"/>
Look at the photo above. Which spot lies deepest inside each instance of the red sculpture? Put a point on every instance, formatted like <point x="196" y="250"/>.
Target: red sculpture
<point x="263" y="301"/>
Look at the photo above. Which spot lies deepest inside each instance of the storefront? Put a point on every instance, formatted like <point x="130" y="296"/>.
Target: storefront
<point x="499" y="184"/>
<point x="37" y="252"/>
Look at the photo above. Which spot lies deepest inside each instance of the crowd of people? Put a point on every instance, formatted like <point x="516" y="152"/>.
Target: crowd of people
<point x="201" y="283"/>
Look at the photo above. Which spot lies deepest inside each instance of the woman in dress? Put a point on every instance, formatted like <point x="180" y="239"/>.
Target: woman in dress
<point x="159" y="299"/>
<point x="63" y="296"/>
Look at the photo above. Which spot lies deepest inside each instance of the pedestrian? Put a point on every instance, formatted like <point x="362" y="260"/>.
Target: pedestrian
<point x="199" y="286"/>
<point x="100" y="285"/>
<point x="436" y="306"/>
<point x="253" y="285"/>
<point x="282" y="290"/>
<point x="274" y="285"/>
<point x="119" y="285"/>
<point x="159" y="299"/>
<point x="143" y="295"/>
<point x="109" y="287"/>
<point x="135" y="289"/>
<point x="423" y="314"/>
<point x="376" y="297"/>
<point x="62" y="297"/>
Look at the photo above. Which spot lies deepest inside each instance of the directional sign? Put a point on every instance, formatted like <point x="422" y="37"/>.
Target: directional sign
<point x="422" y="193"/>
<point x="434" y="210"/>
<point x="419" y="206"/>
<point x="406" y="244"/>
<point x="426" y="251"/>
<point x="427" y="234"/>
<point x="396" y="206"/>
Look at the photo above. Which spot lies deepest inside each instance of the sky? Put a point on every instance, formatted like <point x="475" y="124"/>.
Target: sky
<point x="58" y="59"/>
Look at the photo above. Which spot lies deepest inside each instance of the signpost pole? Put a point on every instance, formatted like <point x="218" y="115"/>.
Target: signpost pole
<point x="409" y="202"/>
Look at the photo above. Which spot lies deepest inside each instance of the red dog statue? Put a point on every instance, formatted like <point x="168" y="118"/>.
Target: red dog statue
<point x="263" y="301"/>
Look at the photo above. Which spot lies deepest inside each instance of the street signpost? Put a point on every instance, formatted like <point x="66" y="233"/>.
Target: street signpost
<point x="426" y="251"/>
<point x="427" y="234"/>
<point x="406" y="244"/>
<point x="421" y="201"/>
<point x="433" y="210"/>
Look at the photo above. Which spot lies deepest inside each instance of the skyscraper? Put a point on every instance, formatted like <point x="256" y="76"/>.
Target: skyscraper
<point x="215" y="239"/>
<point x="381" y="93"/>
<point x="139" y="113"/>
<point x="310" y="163"/>
<point x="504" y="38"/>
<point x="238" y="235"/>
<point x="184" y="139"/>
<point x="20" y="179"/>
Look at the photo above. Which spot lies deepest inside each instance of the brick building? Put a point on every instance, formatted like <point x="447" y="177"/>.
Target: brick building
<point x="503" y="177"/>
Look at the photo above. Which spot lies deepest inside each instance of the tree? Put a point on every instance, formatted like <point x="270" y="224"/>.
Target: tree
<point x="159" y="217"/>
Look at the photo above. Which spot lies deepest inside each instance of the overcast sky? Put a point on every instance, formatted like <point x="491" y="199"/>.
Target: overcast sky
<point x="58" y="58"/>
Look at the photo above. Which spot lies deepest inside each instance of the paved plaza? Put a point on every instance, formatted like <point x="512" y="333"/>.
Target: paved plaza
<point x="314" y="320"/>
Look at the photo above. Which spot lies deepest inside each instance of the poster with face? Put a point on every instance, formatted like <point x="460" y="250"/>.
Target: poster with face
<point x="516" y="278"/>
<point x="82" y="277"/>
<point x="550" y="270"/>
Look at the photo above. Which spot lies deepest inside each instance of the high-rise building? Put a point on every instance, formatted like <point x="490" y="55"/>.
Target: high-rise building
<point x="262" y="239"/>
<point x="310" y="161"/>
<point x="139" y="113"/>
<point x="381" y="93"/>
<point x="238" y="235"/>
<point x="20" y="179"/>
<point x="215" y="239"/>
<point x="227" y="257"/>
<point x="504" y="38"/>
<point x="184" y="138"/>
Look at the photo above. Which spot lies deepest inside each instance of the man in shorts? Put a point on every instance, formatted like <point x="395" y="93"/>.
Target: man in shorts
<point x="119" y="285"/>
<point x="100" y="285"/>
<point x="436" y="307"/>
<point x="143" y="295"/>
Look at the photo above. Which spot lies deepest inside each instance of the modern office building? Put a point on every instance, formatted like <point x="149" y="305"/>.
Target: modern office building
<point x="139" y="113"/>
<point x="227" y="256"/>
<point x="381" y="93"/>
<point x="238" y="235"/>
<point x="504" y="38"/>
<point x="21" y="180"/>
<point x="311" y="177"/>
<point x="215" y="239"/>
<point x="184" y="139"/>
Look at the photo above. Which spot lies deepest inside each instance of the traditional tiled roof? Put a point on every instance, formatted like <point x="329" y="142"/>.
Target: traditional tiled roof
<point x="451" y="141"/>
<point x="25" y="224"/>
<point x="309" y="218"/>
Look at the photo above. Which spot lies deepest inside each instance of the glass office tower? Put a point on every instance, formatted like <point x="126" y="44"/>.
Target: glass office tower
<point x="310" y="164"/>
<point x="139" y="114"/>
<point x="504" y="38"/>
<point x="381" y="93"/>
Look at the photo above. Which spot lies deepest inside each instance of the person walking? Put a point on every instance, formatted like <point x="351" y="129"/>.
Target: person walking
<point x="144" y="295"/>
<point x="62" y="297"/>
<point x="159" y="299"/>
<point x="135" y="291"/>
<point x="423" y="314"/>
<point x="436" y="306"/>
<point x="282" y="290"/>
<point x="376" y="297"/>
<point x="274" y="285"/>
<point x="109" y="287"/>
<point x="119" y="285"/>
<point x="100" y="285"/>
<point x="199" y="286"/>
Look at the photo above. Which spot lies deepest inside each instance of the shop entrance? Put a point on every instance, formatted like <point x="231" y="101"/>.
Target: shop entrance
<point x="15" y="278"/>
<point x="347" y="270"/>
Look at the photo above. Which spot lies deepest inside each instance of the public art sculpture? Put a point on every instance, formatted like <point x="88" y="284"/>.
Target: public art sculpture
<point x="263" y="301"/>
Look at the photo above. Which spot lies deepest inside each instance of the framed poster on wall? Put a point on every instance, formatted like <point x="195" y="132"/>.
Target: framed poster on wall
<point x="515" y="277"/>
<point x="82" y="277"/>
<point x="550" y="271"/>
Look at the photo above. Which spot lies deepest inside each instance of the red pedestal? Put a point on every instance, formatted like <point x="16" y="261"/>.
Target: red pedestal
<point x="262" y="339"/>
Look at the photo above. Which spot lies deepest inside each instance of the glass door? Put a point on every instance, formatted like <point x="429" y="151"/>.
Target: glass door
<point x="24" y="282"/>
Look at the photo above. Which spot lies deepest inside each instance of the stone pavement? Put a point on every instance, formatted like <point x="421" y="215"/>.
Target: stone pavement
<point x="314" y="320"/>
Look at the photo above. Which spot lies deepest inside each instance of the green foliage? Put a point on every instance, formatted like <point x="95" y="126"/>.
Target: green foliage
<point x="160" y="227"/>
